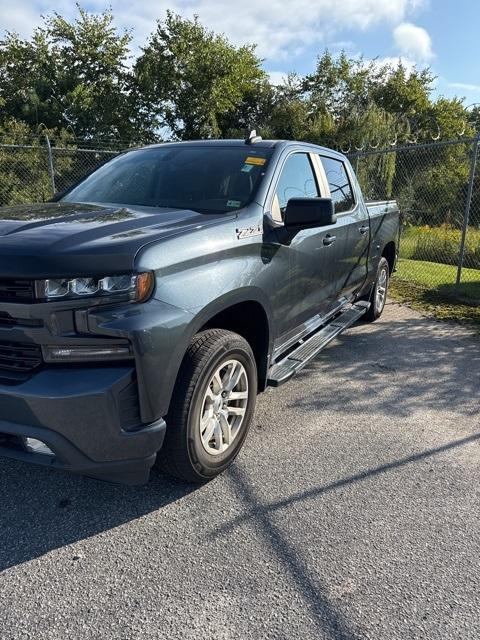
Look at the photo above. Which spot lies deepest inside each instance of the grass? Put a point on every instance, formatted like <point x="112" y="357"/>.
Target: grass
<point x="429" y="287"/>
<point x="442" y="277"/>
<point x="440" y="244"/>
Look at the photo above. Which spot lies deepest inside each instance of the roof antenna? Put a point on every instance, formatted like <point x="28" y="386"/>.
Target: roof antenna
<point x="252" y="137"/>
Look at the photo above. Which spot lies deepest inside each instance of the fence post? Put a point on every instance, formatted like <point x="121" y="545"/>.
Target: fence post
<point x="51" y="171"/>
<point x="466" y="215"/>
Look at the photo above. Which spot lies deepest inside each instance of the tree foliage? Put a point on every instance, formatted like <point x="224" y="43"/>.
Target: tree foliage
<point x="191" y="77"/>
<point x="78" y="80"/>
<point x="69" y="75"/>
<point x="188" y="82"/>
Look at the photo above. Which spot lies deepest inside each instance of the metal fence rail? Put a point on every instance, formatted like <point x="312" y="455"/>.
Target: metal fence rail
<point x="34" y="173"/>
<point x="437" y="186"/>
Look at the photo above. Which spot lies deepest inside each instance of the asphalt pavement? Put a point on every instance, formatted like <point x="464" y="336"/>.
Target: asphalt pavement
<point x="352" y="512"/>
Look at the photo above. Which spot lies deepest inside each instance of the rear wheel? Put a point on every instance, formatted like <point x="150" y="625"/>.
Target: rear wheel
<point x="378" y="296"/>
<point x="212" y="406"/>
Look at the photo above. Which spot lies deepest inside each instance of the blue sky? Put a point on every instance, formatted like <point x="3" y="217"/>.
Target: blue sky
<point x="290" y="34"/>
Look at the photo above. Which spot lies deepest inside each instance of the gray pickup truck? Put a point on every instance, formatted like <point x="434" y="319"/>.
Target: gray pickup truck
<point x="143" y="310"/>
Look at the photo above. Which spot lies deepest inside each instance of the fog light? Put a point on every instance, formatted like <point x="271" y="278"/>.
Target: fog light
<point x="32" y="445"/>
<point x="85" y="354"/>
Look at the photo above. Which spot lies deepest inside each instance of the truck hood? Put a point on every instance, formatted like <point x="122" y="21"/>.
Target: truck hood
<point x="74" y="239"/>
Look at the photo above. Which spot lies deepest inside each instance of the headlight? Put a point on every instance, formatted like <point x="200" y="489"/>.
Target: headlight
<point x="137" y="287"/>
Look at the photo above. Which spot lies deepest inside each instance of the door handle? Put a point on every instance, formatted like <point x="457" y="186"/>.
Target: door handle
<point x="364" y="229"/>
<point x="328" y="240"/>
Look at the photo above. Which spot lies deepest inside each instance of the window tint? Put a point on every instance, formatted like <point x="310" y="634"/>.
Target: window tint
<point x="206" y="178"/>
<point x="297" y="180"/>
<point x="340" y="187"/>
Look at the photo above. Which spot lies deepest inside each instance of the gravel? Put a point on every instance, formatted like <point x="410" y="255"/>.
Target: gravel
<point x="352" y="512"/>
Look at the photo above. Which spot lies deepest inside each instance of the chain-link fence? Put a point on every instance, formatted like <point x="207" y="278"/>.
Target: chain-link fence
<point x="437" y="187"/>
<point x="34" y="173"/>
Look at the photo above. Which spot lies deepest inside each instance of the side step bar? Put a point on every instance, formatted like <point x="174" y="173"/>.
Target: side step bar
<point x="283" y="370"/>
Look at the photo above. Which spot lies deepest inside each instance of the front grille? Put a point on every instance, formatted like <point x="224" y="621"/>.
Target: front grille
<point x="16" y="290"/>
<point x="6" y="320"/>
<point x="22" y="358"/>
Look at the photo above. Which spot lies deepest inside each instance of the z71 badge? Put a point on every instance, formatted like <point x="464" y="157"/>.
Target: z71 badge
<point x="249" y="232"/>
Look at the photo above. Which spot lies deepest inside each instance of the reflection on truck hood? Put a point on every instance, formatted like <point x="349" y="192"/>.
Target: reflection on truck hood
<point x="68" y="239"/>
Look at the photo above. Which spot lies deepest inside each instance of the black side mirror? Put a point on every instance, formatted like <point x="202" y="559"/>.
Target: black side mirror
<point x="305" y="213"/>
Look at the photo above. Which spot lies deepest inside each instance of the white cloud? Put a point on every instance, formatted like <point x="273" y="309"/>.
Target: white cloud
<point x="277" y="77"/>
<point x="464" y="86"/>
<point x="18" y="19"/>
<point x="281" y="30"/>
<point x="413" y="42"/>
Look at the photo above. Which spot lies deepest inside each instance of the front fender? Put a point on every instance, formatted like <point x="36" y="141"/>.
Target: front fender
<point x="160" y="334"/>
<point x="229" y="299"/>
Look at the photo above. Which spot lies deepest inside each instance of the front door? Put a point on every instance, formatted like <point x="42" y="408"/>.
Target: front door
<point x="312" y="252"/>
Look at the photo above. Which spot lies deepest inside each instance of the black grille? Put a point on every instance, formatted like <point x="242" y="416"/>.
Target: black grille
<point x="6" y="320"/>
<point x="23" y="358"/>
<point x="16" y="290"/>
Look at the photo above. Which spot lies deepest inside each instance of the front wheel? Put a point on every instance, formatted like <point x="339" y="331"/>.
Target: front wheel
<point x="212" y="406"/>
<point x="378" y="296"/>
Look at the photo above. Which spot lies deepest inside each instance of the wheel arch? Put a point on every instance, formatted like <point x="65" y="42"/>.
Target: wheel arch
<point x="246" y="312"/>
<point x="389" y="253"/>
<point x="248" y="319"/>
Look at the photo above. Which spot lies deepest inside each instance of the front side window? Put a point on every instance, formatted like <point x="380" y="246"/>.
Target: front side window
<point x="297" y="180"/>
<point x="339" y="183"/>
<point x="208" y="179"/>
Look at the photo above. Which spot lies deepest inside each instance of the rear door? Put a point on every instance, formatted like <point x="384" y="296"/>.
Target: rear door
<point x="352" y="230"/>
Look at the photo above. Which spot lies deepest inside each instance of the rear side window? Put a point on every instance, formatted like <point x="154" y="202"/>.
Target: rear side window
<point x="296" y="181"/>
<point x="339" y="183"/>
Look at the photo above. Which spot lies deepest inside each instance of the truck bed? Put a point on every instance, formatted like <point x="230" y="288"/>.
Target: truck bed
<point x="380" y="207"/>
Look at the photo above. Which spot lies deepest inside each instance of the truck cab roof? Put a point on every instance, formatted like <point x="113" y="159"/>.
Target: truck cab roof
<point x="260" y="144"/>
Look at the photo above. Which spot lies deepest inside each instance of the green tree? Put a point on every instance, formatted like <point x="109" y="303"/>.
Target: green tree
<point x="70" y="74"/>
<point x="252" y="112"/>
<point x="474" y="118"/>
<point x="27" y="81"/>
<point x="76" y="79"/>
<point x="191" y="78"/>
<point x="289" y="116"/>
<point x="350" y="103"/>
<point x="93" y="78"/>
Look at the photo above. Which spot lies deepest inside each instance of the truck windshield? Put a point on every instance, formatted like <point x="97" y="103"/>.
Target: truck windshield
<point x="208" y="179"/>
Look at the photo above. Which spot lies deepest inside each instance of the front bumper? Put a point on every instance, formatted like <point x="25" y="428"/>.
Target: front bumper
<point x="87" y="416"/>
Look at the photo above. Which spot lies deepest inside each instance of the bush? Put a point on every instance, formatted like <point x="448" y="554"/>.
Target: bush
<point x="440" y="244"/>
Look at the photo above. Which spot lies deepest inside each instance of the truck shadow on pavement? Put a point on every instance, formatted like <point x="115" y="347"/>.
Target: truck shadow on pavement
<point x="395" y="368"/>
<point x="44" y="509"/>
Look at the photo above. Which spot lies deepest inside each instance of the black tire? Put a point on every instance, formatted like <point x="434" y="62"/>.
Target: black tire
<point x="183" y="454"/>
<point x="382" y="279"/>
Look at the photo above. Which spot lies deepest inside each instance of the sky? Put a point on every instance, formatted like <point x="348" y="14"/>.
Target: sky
<point x="290" y="34"/>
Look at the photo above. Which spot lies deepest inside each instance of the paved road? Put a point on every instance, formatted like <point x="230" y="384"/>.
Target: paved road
<point x="352" y="512"/>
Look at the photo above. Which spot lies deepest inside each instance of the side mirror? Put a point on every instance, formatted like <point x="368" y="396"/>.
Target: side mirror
<point x="306" y="213"/>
